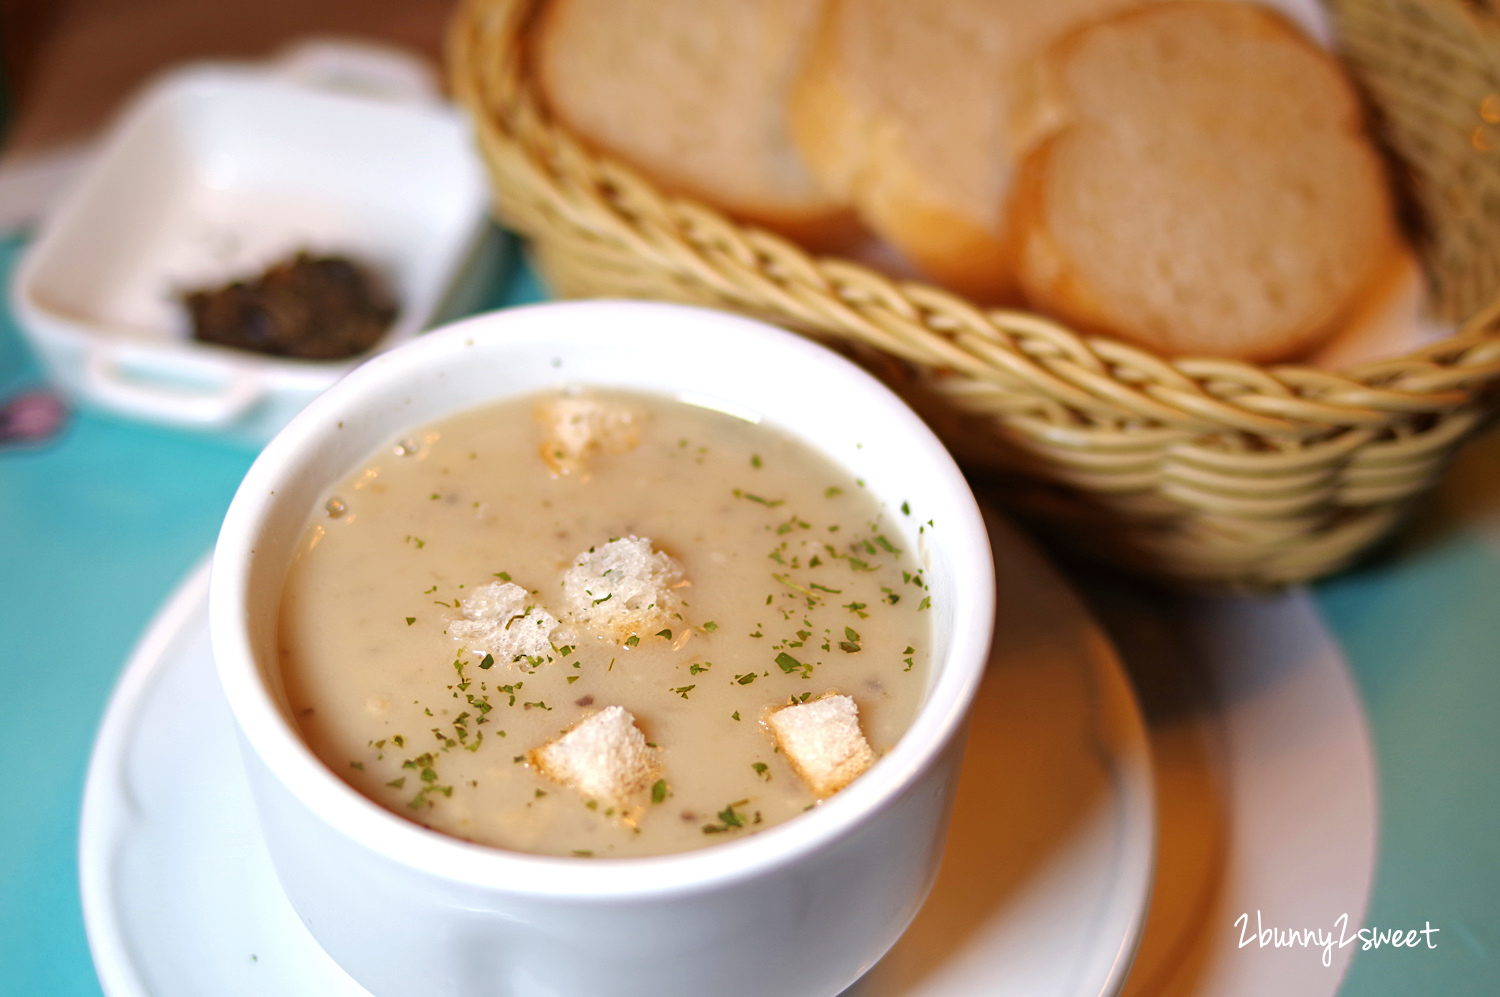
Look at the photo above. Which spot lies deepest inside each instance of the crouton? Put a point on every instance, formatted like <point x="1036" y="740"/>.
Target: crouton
<point x="502" y="619"/>
<point x="823" y="741"/>
<point x="623" y="588"/>
<point x="605" y="757"/>
<point x="578" y="428"/>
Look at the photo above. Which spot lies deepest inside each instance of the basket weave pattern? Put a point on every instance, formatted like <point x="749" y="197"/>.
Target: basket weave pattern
<point x="1205" y="470"/>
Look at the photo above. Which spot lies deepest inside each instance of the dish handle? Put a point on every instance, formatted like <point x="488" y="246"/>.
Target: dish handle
<point x="165" y="388"/>
<point x="376" y="72"/>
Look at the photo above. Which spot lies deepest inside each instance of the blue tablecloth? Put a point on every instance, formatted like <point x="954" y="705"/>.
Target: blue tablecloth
<point x="96" y="530"/>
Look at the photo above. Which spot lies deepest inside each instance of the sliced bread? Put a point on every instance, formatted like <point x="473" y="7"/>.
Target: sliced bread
<point x="1208" y="187"/>
<point x="693" y="94"/>
<point x="909" y="111"/>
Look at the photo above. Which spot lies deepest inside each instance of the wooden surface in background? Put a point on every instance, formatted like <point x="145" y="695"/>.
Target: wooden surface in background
<point x="69" y="64"/>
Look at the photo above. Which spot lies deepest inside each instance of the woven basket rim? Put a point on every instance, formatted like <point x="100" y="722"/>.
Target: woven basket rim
<point x="1101" y="377"/>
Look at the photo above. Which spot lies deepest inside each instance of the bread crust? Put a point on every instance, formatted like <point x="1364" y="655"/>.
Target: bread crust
<point x="645" y="94"/>
<point x="938" y="190"/>
<point x="859" y="153"/>
<point x="1337" y="240"/>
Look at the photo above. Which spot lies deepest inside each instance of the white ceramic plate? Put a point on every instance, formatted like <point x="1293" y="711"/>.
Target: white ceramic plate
<point x="1044" y="889"/>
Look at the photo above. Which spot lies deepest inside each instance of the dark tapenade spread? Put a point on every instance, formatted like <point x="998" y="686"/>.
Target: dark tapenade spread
<point x="309" y="307"/>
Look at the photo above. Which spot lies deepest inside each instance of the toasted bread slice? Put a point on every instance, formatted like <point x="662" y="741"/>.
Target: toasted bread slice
<point x="909" y="110"/>
<point x="1209" y="188"/>
<point x="693" y="94"/>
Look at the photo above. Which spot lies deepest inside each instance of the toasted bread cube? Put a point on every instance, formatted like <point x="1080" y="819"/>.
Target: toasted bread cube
<point x="823" y="741"/>
<point x="502" y="619"/>
<point x="605" y="757"/>
<point x="623" y="588"/>
<point x="578" y="428"/>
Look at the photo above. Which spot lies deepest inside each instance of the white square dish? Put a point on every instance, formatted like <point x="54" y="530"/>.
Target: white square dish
<point x="215" y="172"/>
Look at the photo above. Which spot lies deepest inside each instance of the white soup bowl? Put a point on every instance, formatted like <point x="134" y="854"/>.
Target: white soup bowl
<point x="803" y="908"/>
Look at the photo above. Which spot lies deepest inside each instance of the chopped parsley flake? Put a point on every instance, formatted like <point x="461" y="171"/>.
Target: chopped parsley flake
<point x="684" y="690"/>
<point x="710" y="626"/>
<point x="788" y="663"/>
<point x="658" y="791"/>
<point x="746" y="678"/>
<point x="504" y="576"/>
<point x="783" y="579"/>
<point x="632" y="640"/>
<point x="410" y="620"/>
<point x="768" y="503"/>
<point x="728" y="819"/>
<point x="664" y="633"/>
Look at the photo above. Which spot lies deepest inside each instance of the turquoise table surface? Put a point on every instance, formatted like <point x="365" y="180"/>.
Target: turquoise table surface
<point x="100" y="526"/>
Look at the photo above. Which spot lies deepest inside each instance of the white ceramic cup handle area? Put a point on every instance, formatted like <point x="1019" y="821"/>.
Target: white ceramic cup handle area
<point x="218" y="403"/>
<point x="378" y="72"/>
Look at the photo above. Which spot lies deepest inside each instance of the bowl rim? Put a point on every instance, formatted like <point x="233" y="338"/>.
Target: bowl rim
<point x="266" y="731"/>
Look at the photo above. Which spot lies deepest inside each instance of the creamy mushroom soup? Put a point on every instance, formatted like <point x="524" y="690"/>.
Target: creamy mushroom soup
<point x="562" y="624"/>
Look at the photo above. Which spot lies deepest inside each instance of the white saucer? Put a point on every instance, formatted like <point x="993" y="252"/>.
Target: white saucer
<point x="1044" y="889"/>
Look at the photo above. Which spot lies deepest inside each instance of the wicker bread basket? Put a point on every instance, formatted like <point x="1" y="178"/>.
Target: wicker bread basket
<point x="1200" y="470"/>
